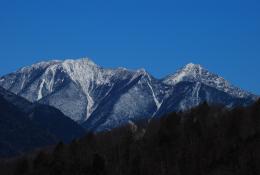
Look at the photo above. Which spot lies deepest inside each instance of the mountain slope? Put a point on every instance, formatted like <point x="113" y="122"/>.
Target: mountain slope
<point x="101" y="99"/>
<point x="26" y="125"/>
<point x="186" y="95"/>
<point x="18" y="133"/>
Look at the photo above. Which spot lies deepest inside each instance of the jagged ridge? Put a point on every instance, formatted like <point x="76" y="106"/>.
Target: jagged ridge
<point x="100" y="98"/>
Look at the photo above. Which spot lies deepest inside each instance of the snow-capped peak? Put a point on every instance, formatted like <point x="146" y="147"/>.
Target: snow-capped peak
<point x="39" y="65"/>
<point x="192" y="66"/>
<point x="196" y="73"/>
<point x="190" y="72"/>
<point x="82" y="61"/>
<point x="142" y="71"/>
<point x="67" y="62"/>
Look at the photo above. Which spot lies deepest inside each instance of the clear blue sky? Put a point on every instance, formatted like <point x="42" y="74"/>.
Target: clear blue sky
<point x="160" y="36"/>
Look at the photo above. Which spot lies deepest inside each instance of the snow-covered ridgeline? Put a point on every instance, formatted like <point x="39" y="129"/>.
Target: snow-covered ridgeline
<point x="95" y="96"/>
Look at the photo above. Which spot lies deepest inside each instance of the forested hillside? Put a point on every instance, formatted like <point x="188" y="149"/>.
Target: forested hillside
<point x="207" y="140"/>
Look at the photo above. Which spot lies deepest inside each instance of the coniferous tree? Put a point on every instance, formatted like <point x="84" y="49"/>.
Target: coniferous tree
<point x="22" y="167"/>
<point x="98" y="165"/>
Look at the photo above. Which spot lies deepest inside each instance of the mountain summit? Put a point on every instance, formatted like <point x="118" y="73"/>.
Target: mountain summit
<point x="196" y="73"/>
<point x="190" y="72"/>
<point x="100" y="98"/>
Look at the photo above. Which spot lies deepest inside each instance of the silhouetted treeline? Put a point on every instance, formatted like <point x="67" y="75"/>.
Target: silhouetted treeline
<point x="203" y="141"/>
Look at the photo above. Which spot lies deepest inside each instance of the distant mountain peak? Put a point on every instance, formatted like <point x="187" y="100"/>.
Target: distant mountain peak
<point x="38" y="65"/>
<point x="142" y="71"/>
<point x="194" y="70"/>
<point x="44" y="64"/>
<point x="190" y="72"/>
<point x="192" y="66"/>
<point x="196" y="73"/>
<point x="84" y="60"/>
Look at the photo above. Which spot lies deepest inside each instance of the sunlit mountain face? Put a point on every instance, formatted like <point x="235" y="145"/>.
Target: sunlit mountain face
<point x="101" y="99"/>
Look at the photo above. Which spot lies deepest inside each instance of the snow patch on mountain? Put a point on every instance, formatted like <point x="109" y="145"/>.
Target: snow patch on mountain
<point x="40" y="90"/>
<point x="158" y="104"/>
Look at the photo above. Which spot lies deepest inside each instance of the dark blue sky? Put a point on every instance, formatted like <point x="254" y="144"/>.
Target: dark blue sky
<point x="160" y="36"/>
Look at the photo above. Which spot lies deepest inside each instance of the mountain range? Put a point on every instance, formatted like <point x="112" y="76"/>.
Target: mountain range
<point x="101" y="99"/>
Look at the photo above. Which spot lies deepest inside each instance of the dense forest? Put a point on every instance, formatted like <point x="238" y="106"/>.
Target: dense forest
<point x="206" y="140"/>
